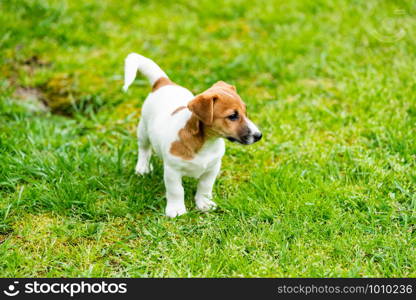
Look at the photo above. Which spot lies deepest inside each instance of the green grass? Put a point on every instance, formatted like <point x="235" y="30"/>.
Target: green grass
<point x="329" y="191"/>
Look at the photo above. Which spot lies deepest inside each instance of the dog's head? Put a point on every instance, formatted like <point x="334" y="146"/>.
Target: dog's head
<point x="223" y="112"/>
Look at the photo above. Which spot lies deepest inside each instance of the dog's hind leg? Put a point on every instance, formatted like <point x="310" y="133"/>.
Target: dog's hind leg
<point x="145" y="150"/>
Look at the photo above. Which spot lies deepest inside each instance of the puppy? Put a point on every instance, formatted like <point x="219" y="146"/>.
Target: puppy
<point x="186" y="131"/>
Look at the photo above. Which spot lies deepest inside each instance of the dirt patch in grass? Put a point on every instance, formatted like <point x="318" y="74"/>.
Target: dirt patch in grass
<point x="58" y="94"/>
<point x="32" y="98"/>
<point x="34" y="62"/>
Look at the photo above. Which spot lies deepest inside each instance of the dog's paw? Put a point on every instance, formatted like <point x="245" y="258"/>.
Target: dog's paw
<point x="142" y="169"/>
<point x="175" y="210"/>
<point x="205" y="204"/>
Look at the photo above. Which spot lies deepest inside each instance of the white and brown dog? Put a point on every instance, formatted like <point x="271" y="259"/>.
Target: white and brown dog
<point x="186" y="131"/>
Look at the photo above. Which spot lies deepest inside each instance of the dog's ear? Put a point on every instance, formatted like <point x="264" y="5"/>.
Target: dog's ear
<point x="203" y="107"/>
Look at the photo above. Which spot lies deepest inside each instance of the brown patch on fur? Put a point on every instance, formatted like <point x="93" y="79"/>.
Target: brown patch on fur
<point x="191" y="139"/>
<point x="161" y="82"/>
<point x="178" y="109"/>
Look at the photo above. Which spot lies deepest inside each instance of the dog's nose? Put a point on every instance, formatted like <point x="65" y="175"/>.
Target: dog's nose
<point x="257" y="136"/>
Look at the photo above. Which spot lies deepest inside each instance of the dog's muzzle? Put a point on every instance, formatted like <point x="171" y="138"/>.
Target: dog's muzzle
<point x="247" y="139"/>
<point x="249" y="135"/>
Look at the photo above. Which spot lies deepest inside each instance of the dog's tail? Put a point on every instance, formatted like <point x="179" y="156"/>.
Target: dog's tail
<point x="145" y="65"/>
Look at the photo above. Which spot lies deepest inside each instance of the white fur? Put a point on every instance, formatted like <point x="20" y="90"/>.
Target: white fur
<point x="158" y="129"/>
<point x="146" y="66"/>
<point x="253" y="130"/>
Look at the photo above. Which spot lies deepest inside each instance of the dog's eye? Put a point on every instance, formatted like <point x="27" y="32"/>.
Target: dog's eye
<point x="233" y="117"/>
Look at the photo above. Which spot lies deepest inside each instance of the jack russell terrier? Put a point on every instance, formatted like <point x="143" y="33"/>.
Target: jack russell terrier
<point x="186" y="131"/>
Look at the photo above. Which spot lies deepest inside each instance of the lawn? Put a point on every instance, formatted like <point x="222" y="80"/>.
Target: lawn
<point x="330" y="190"/>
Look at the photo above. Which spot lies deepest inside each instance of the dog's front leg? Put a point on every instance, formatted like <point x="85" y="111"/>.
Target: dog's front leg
<point x="174" y="192"/>
<point x="204" y="191"/>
